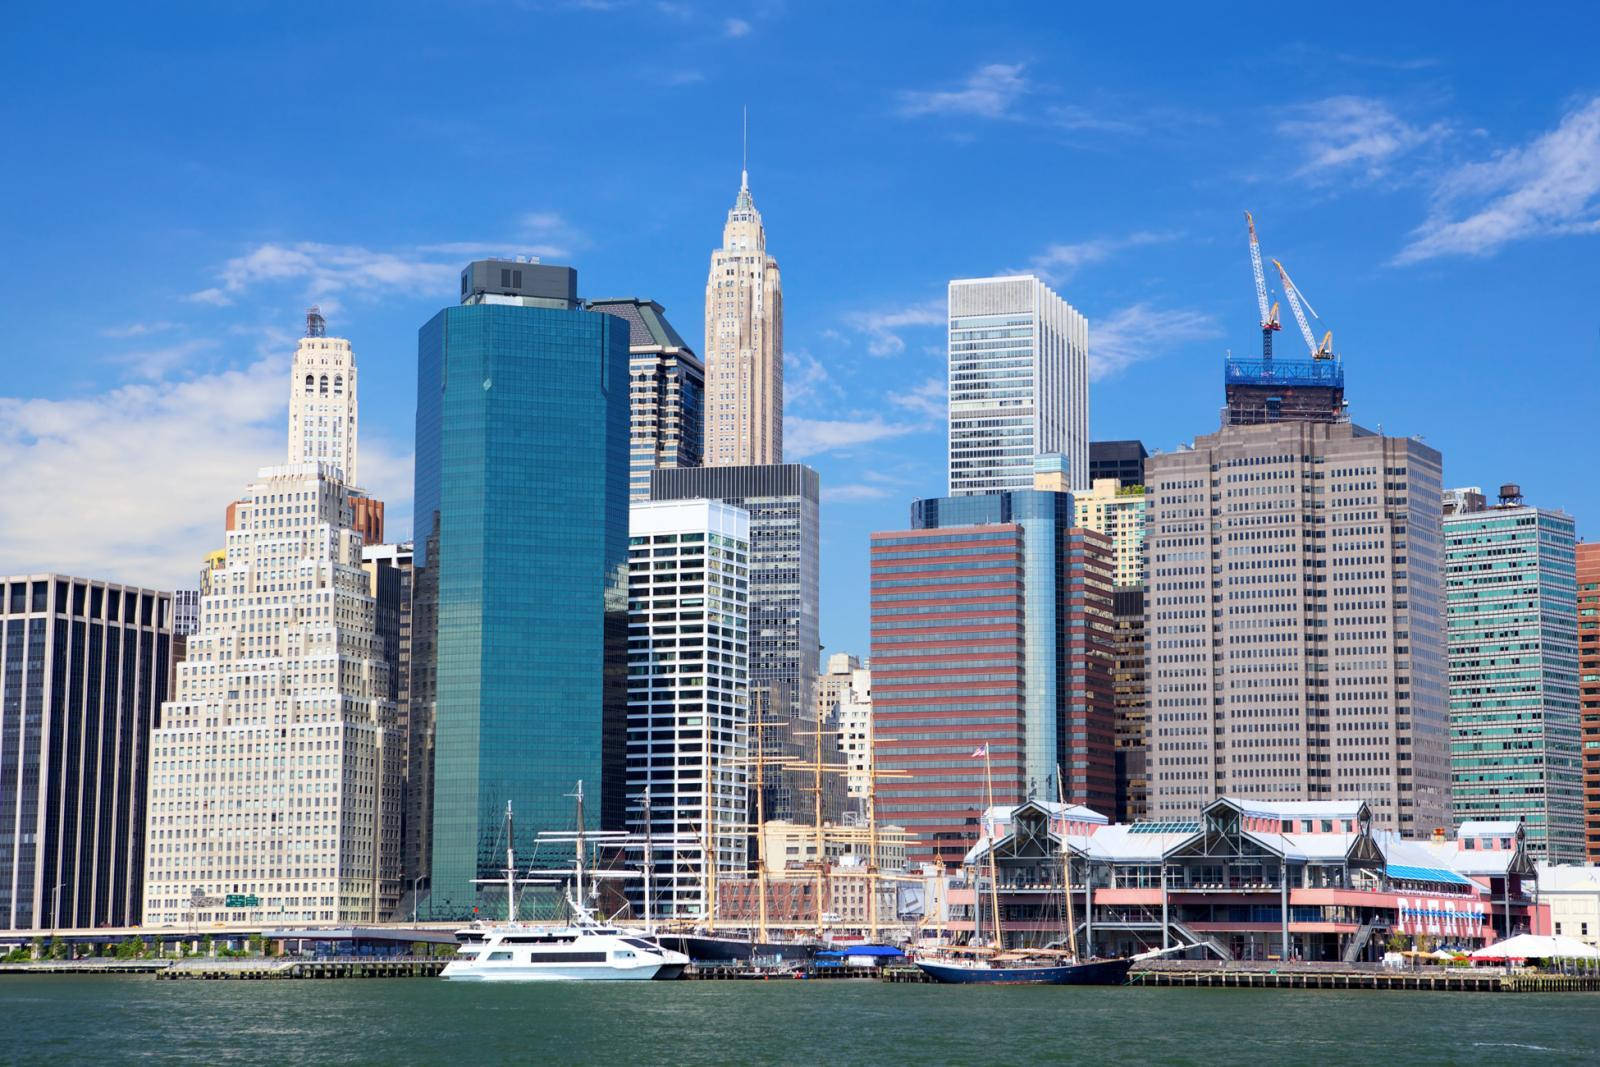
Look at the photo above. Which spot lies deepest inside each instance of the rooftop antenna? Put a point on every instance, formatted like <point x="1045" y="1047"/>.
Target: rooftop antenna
<point x="744" y="157"/>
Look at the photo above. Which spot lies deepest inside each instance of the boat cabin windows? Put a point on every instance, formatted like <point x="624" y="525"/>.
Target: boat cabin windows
<point x="566" y="957"/>
<point x="499" y="955"/>
<point x="636" y="943"/>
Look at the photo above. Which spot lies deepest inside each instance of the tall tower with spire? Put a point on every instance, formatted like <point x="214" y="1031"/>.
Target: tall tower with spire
<point x="744" y="344"/>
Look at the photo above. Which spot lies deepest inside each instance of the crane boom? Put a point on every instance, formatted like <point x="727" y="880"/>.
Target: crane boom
<point x="1255" y="265"/>
<point x="1269" y="317"/>
<point x="1295" y="296"/>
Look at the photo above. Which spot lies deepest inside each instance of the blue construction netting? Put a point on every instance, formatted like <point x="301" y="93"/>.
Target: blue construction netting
<point x="1285" y="372"/>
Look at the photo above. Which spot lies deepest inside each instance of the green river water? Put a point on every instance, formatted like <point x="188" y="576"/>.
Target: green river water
<point x="69" y="1019"/>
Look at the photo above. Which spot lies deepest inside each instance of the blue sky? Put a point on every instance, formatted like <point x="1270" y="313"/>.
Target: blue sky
<point x="180" y="185"/>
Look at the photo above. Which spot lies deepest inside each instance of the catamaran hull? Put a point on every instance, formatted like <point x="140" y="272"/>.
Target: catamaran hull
<point x="1099" y="972"/>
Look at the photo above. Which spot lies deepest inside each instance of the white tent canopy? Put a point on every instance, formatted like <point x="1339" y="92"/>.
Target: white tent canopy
<point x="1537" y="947"/>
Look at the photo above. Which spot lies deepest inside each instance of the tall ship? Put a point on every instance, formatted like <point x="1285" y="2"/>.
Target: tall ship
<point x="994" y="964"/>
<point x="585" y="949"/>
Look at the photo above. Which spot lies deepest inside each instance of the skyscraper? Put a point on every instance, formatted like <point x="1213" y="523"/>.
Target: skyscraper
<point x="688" y="696"/>
<point x="275" y="772"/>
<point x="784" y="506"/>
<point x="389" y="576"/>
<point x="844" y="705"/>
<point x="1588" y="574"/>
<point x="322" y="401"/>
<point x="1122" y="460"/>
<point x="1118" y="512"/>
<point x="1294" y="622"/>
<point x="1511" y="589"/>
<point x="667" y="393"/>
<point x="519" y="627"/>
<point x="744" y="344"/>
<point x="991" y="631"/>
<point x="84" y="665"/>
<point x="1019" y="384"/>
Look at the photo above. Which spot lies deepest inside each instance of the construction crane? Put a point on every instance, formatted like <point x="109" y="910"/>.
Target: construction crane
<point x="1296" y="297"/>
<point x="1269" y="317"/>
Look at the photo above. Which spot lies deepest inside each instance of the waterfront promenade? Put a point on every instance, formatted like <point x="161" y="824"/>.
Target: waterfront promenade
<point x="1158" y="973"/>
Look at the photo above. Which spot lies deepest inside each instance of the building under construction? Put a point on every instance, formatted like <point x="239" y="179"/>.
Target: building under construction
<point x="1283" y="390"/>
<point x="1267" y="390"/>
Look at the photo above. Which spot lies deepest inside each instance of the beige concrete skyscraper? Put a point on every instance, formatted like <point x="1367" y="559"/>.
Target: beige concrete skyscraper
<point x="275" y="769"/>
<point x="744" y="344"/>
<point x="1295" y="622"/>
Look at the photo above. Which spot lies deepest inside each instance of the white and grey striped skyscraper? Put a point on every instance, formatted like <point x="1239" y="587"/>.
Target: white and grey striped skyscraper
<point x="1019" y="384"/>
<point x="689" y="696"/>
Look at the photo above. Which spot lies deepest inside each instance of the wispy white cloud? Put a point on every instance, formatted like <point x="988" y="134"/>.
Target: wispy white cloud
<point x="137" y="329"/>
<point x="151" y="467"/>
<point x="1139" y="332"/>
<point x="1058" y="262"/>
<point x="736" y="28"/>
<point x="1549" y="186"/>
<point x="806" y="380"/>
<point x="810" y="437"/>
<point x="988" y="92"/>
<point x="1343" y="136"/>
<point x="1004" y="91"/>
<point x="159" y="362"/>
<point x="882" y="327"/>
<point x="927" y="399"/>
<point x="856" y="491"/>
<point x="327" y="270"/>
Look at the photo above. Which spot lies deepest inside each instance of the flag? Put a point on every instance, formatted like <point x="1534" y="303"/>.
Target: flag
<point x="981" y="751"/>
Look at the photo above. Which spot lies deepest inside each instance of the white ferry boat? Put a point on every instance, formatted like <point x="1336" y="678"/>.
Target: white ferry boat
<point x="584" y="950"/>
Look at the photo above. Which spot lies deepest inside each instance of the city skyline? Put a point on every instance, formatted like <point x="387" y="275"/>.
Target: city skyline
<point x="213" y="293"/>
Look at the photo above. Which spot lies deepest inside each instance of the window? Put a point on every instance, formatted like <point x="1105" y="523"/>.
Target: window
<point x="499" y="955"/>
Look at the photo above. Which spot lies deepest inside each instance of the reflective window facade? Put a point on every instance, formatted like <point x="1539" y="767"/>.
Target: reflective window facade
<point x="520" y="612"/>
<point x="1019" y="384"/>
<point x="991" y="624"/>
<point x="1511" y="607"/>
<point x="83" y="667"/>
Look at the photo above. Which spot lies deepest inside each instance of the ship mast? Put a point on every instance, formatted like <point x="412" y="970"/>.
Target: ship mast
<point x="578" y="866"/>
<point x="994" y="871"/>
<point x="511" y="869"/>
<point x="649" y="861"/>
<point x="1066" y="871"/>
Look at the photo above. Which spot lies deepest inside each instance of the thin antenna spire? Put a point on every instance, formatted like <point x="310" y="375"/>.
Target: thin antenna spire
<point x="744" y="158"/>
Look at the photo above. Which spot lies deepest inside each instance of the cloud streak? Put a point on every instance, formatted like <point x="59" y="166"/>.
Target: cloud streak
<point x="1140" y="332"/>
<point x="1550" y="186"/>
<point x="1345" y="135"/>
<point x="988" y="92"/>
<point x="151" y="466"/>
<point x="811" y="437"/>
<point x="882" y="327"/>
<point x="330" y="270"/>
<point x="1059" y="262"/>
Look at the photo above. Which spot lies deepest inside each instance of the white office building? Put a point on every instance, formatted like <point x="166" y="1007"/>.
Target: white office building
<point x="275" y="772"/>
<point x="688" y="696"/>
<point x="1019" y="384"/>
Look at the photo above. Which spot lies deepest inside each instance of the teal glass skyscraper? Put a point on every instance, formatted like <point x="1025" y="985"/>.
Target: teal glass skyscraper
<point x="1511" y="587"/>
<point x="520" y="617"/>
